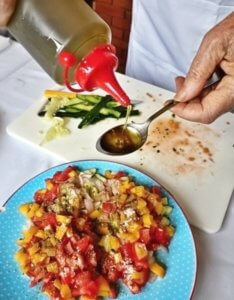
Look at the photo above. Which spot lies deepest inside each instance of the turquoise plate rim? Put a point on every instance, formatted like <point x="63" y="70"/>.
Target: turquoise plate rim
<point x="133" y="168"/>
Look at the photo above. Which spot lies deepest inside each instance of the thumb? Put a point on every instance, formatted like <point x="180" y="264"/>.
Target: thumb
<point x="203" y="66"/>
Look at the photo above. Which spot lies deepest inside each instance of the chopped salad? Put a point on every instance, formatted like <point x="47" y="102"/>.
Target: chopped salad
<point x="87" y="231"/>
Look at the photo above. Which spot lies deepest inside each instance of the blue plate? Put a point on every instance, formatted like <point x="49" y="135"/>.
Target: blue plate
<point x="180" y="260"/>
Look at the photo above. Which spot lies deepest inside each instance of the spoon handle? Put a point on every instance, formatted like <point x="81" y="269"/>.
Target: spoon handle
<point x="168" y="106"/>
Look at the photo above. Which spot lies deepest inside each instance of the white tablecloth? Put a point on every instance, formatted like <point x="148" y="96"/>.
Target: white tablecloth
<point x="21" y="82"/>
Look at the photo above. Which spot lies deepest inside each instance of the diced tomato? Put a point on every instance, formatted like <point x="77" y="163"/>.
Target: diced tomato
<point x="110" y="269"/>
<point x="141" y="264"/>
<point x="145" y="236"/>
<point x="82" y="244"/>
<point x="128" y="251"/>
<point x="51" y="195"/>
<point x="83" y="278"/>
<point x="62" y="176"/>
<point x="161" y="236"/>
<point x="45" y="220"/>
<point x="156" y="190"/>
<point x="39" y="196"/>
<point x="109" y="207"/>
<point x="67" y="275"/>
<point x="119" y="174"/>
<point x="90" y="289"/>
<point x="90" y="255"/>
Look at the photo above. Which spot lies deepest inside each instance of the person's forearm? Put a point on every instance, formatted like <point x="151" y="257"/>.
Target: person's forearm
<point x="7" y="8"/>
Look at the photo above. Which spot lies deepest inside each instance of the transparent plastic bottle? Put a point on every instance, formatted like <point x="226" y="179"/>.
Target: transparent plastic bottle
<point x="47" y="27"/>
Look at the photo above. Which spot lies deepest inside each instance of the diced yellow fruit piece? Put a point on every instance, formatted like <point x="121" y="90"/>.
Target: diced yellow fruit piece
<point x="28" y="234"/>
<point x="41" y="234"/>
<point x="148" y="220"/>
<point x="63" y="219"/>
<point x="108" y="175"/>
<point x="141" y="204"/>
<point x="86" y="298"/>
<point x="58" y="94"/>
<point x="157" y="269"/>
<point x="52" y="267"/>
<point x="72" y="173"/>
<point x="21" y="257"/>
<point x="118" y="258"/>
<point x="24" y="208"/>
<point x="38" y="258"/>
<point x="135" y="226"/>
<point x="167" y="210"/>
<point x="125" y="185"/>
<point x="159" y="208"/>
<point x="39" y="213"/>
<point x="33" y="208"/>
<point x="130" y="237"/>
<point x="103" y="287"/>
<point x="164" y="201"/>
<point x="49" y="251"/>
<point x="141" y="250"/>
<point x="49" y="185"/>
<point x="122" y="198"/>
<point x="140" y="191"/>
<point x="60" y="231"/>
<point x="95" y="214"/>
<point x="137" y="275"/>
<point x="114" y="243"/>
<point x="33" y="249"/>
<point x="115" y="221"/>
<point x="144" y="211"/>
<point x="152" y="198"/>
<point x="65" y="291"/>
<point x="165" y="221"/>
<point x="103" y="228"/>
<point x="170" y="230"/>
<point x="57" y="284"/>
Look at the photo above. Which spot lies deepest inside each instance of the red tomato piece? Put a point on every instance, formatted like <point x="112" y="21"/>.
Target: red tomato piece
<point x="39" y="196"/>
<point x="83" y="278"/>
<point x="90" y="289"/>
<point x="128" y="251"/>
<point x="161" y="236"/>
<point x="82" y="244"/>
<point x="156" y="190"/>
<point x="108" y="207"/>
<point x="119" y="174"/>
<point x="145" y="236"/>
<point x="62" y="176"/>
<point x="45" y="220"/>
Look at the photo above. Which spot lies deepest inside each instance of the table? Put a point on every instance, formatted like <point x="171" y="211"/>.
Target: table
<point x="21" y="82"/>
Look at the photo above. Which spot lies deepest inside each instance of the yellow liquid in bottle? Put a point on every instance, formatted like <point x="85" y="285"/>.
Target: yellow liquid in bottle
<point x="47" y="27"/>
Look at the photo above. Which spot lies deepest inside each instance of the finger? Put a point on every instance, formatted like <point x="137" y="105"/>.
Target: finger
<point x="209" y="55"/>
<point x="228" y="67"/>
<point x="7" y="8"/>
<point x="207" y="109"/>
<point x="179" y="82"/>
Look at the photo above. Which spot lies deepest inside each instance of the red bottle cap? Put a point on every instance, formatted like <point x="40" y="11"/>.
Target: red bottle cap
<point x="96" y="70"/>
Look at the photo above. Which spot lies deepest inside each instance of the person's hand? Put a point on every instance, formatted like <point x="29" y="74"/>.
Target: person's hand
<point x="217" y="49"/>
<point x="7" y="8"/>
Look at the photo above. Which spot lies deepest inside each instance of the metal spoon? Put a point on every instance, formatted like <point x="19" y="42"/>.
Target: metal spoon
<point x="120" y="140"/>
<point x="124" y="139"/>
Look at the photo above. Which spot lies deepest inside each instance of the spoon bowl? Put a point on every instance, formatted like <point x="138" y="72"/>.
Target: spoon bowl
<point x="125" y="139"/>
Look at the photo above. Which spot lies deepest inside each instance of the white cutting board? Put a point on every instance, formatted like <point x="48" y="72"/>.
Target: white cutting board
<point x="194" y="162"/>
